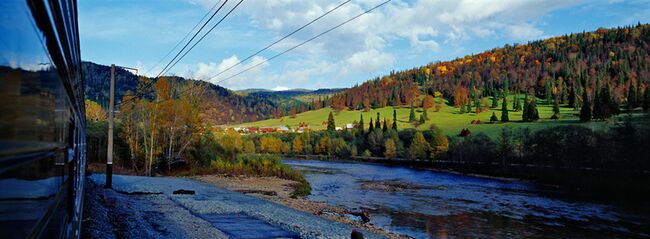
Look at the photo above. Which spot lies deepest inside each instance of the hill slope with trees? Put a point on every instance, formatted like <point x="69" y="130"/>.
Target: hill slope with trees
<point x="606" y="68"/>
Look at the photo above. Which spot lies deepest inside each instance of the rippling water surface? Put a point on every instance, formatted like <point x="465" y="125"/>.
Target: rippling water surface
<point x="452" y="205"/>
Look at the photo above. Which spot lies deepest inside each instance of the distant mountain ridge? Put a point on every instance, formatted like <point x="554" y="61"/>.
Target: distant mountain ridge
<point x="226" y="106"/>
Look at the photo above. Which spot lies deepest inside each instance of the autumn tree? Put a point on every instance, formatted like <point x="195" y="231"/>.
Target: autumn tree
<point x="249" y="147"/>
<point x="391" y="149"/>
<point x="297" y="146"/>
<point x="428" y="102"/>
<point x="94" y="111"/>
<point x="419" y="147"/>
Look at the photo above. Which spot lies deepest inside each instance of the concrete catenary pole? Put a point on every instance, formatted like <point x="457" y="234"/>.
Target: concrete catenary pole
<point x="109" y="156"/>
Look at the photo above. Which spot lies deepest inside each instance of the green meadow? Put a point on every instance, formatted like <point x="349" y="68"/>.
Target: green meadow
<point x="449" y="119"/>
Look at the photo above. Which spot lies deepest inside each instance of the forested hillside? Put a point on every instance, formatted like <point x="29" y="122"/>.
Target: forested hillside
<point x="224" y="105"/>
<point x="606" y="69"/>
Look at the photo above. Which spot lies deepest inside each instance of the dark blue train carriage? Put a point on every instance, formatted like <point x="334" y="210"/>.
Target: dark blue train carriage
<point x="42" y="120"/>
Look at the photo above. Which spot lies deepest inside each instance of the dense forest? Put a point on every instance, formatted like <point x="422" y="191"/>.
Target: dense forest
<point x="605" y="69"/>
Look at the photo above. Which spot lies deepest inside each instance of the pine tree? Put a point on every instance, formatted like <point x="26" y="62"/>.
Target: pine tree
<point x="412" y="114"/>
<point x="385" y="128"/>
<point x="377" y="124"/>
<point x="585" y="111"/>
<point x="504" y="111"/>
<point x="361" y="125"/>
<point x="556" y="110"/>
<point x="394" y="119"/>
<point x="371" y="126"/>
<point x="462" y="109"/>
<point x="524" y="114"/>
<point x="573" y="97"/>
<point x="646" y="99"/>
<point x="331" y="126"/>
<point x="493" y="118"/>
<point x="631" y="97"/>
<point x="468" y="109"/>
<point x="533" y="113"/>
<point x="421" y="119"/>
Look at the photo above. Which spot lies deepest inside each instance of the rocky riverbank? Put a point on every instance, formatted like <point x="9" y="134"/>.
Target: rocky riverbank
<point x="279" y="190"/>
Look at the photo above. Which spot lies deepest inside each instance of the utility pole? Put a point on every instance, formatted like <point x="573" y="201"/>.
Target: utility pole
<point x="111" y="111"/>
<point x="109" y="157"/>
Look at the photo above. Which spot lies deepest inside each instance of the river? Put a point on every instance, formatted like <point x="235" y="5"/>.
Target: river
<point x="440" y="205"/>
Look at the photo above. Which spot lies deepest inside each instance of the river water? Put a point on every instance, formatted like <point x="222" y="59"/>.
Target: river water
<point x="452" y="205"/>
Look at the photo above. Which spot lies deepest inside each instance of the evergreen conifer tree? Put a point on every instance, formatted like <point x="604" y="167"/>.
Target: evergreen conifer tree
<point x="646" y="99"/>
<point x="493" y="118"/>
<point x="377" y="124"/>
<point x="361" y="125"/>
<point x="331" y="125"/>
<point x="585" y="111"/>
<point x="421" y="121"/>
<point x="385" y="128"/>
<point x="371" y="126"/>
<point x="504" y="111"/>
<point x="394" y="119"/>
<point x="412" y="114"/>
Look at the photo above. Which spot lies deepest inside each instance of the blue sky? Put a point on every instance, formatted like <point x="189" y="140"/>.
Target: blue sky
<point x="399" y="35"/>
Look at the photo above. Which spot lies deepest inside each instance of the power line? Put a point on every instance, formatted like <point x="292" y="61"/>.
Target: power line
<point x="292" y="48"/>
<point x="168" y="67"/>
<point x="305" y="42"/>
<point x="204" y="35"/>
<point x="285" y="37"/>
<point x="191" y="39"/>
<point x="185" y="37"/>
<point x="284" y="52"/>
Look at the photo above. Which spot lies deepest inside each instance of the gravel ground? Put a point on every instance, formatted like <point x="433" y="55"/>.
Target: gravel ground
<point x="158" y="213"/>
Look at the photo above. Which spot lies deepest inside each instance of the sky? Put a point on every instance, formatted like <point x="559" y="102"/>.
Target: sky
<point x="398" y="35"/>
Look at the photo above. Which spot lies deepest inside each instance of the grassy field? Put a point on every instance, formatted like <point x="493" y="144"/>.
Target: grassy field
<point x="448" y="119"/>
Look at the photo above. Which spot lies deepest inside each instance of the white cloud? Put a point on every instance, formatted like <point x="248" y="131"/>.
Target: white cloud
<point x="524" y="32"/>
<point x="369" y="61"/>
<point x="361" y="46"/>
<point x="280" y="88"/>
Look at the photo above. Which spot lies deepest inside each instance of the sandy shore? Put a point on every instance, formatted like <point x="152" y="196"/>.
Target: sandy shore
<point x="279" y="190"/>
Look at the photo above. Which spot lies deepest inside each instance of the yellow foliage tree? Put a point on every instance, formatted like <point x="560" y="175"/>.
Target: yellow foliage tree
<point x="94" y="111"/>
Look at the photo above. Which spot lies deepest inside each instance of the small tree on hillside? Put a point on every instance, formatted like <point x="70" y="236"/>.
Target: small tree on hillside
<point x="394" y="119"/>
<point x="646" y="99"/>
<point x="385" y="128"/>
<point x="631" y="97"/>
<point x="419" y="147"/>
<point x="585" y="111"/>
<point x="504" y="111"/>
<point x="377" y="124"/>
<point x="371" y="126"/>
<point x="556" y="110"/>
<point x="331" y="126"/>
<point x="412" y="114"/>
<point x="422" y="120"/>
<point x="428" y="102"/>
<point x="493" y="118"/>
<point x="391" y="149"/>
<point x="495" y="102"/>
<point x="361" y="126"/>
